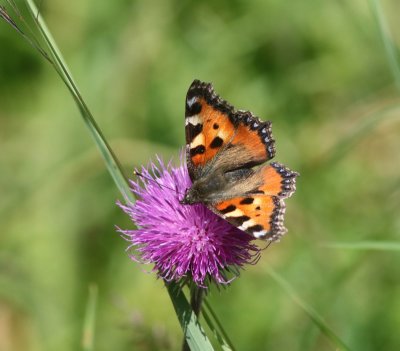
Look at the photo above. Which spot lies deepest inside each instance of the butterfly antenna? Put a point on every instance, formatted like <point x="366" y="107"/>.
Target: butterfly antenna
<point x="267" y="246"/>
<point x="141" y="175"/>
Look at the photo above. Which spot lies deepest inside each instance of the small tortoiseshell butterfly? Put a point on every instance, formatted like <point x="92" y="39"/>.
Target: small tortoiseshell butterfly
<point x="223" y="146"/>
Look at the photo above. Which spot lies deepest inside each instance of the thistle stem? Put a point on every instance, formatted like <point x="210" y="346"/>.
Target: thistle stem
<point x="196" y="299"/>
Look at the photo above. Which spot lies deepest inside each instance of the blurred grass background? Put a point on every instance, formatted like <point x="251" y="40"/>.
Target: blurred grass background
<point x="318" y="70"/>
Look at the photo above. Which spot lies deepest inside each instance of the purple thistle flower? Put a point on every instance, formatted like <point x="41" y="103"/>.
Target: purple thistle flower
<point x="182" y="241"/>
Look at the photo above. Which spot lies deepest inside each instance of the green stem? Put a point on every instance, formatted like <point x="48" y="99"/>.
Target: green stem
<point x="194" y="334"/>
<point x="196" y="300"/>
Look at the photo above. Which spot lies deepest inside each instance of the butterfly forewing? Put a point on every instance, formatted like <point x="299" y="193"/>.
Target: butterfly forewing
<point x="212" y="125"/>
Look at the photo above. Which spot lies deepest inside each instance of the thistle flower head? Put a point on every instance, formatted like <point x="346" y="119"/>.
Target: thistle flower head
<point x="182" y="241"/>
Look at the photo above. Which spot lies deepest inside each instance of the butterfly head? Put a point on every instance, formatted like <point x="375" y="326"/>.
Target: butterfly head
<point x="191" y="197"/>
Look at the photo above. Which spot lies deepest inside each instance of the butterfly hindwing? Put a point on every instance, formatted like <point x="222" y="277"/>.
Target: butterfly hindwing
<point x="260" y="212"/>
<point x="259" y="216"/>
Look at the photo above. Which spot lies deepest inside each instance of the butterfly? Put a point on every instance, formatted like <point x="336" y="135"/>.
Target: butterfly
<point x="225" y="150"/>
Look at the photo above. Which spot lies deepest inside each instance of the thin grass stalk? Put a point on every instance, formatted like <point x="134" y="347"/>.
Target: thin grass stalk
<point x="387" y="39"/>
<point x="109" y="157"/>
<point x="365" y="245"/>
<point x="217" y="327"/>
<point x="314" y="316"/>
<point x="90" y="319"/>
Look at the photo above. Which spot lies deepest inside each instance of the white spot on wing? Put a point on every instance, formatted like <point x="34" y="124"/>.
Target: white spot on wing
<point x="257" y="201"/>
<point x="222" y="134"/>
<point x="235" y="213"/>
<point x="248" y="223"/>
<point x="199" y="140"/>
<point x="191" y="101"/>
<point x="195" y="120"/>
<point x="260" y="234"/>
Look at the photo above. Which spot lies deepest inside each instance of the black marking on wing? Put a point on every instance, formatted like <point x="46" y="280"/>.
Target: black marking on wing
<point x="228" y="209"/>
<point x="237" y="221"/>
<point x="193" y="131"/>
<point x="247" y="201"/>
<point x="216" y="143"/>
<point x="192" y="110"/>
<point x="206" y="91"/>
<point x="255" y="228"/>
<point x="198" y="150"/>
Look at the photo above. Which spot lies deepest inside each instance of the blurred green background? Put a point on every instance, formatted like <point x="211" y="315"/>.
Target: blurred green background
<point x="318" y="70"/>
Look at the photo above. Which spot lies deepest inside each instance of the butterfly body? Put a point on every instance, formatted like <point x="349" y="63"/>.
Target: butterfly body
<point x="225" y="152"/>
<point x="217" y="185"/>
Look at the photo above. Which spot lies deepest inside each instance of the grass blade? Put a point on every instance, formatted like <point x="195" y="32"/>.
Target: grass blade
<point x="390" y="112"/>
<point x="387" y="40"/>
<point x="216" y="327"/>
<point x="109" y="157"/>
<point x="5" y="16"/>
<point x="90" y="319"/>
<point x="194" y="333"/>
<point x="314" y="316"/>
<point x="365" y="245"/>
